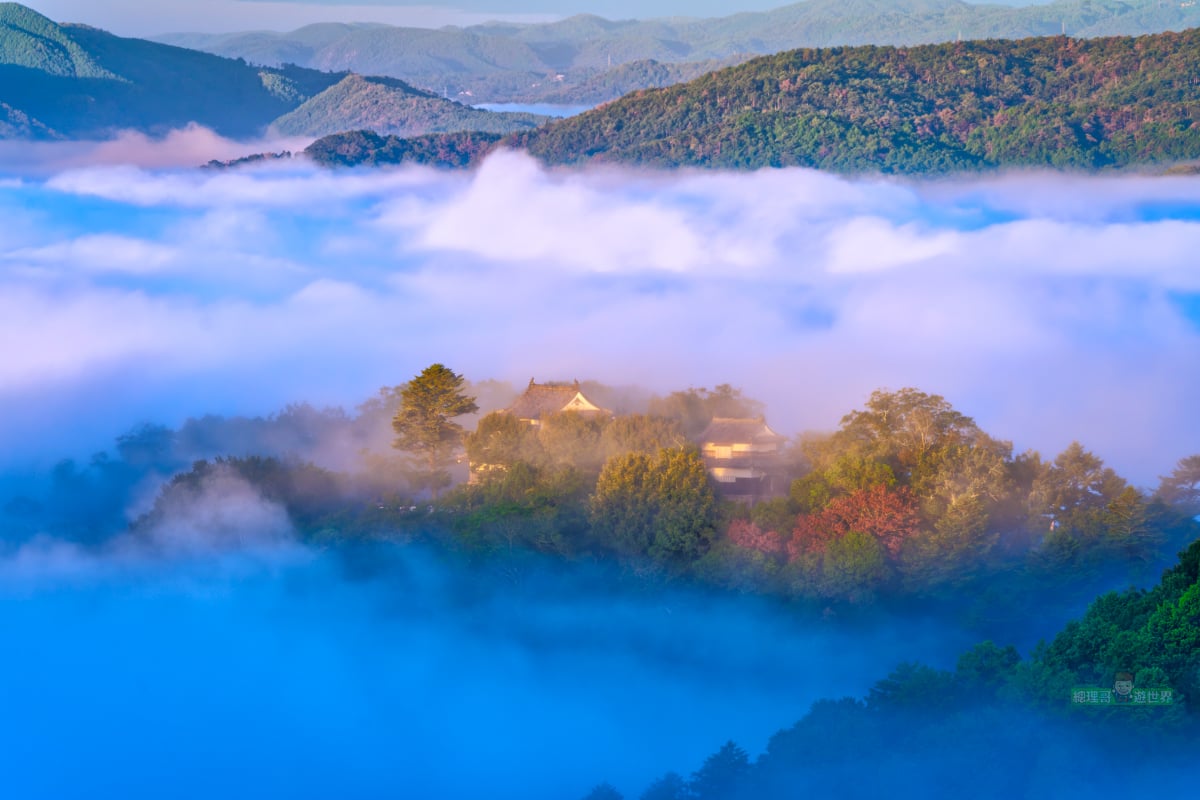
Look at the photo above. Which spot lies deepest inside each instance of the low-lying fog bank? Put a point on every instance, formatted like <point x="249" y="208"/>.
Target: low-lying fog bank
<point x="366" y="672"/>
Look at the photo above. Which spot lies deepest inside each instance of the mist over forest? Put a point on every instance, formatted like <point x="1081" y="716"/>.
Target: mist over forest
<point x="221" y="578"/>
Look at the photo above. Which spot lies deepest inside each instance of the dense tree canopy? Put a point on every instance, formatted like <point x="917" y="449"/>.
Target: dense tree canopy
<point x="1051" y="101"/>
<point x="1048" y="102"/>
<point x="659" y="506"/>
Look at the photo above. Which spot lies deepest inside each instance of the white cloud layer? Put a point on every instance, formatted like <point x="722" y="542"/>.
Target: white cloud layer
<point x="1049" y="308"/>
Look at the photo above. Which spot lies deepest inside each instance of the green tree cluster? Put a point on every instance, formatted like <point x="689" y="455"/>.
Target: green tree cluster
<point x="658" y="506"/>
<point x="910" y="497"/>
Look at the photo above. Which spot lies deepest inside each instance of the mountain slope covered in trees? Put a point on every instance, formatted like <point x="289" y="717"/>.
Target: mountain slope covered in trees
<point x="1057" y="102"/>
<point x="389" y="106"/>
<point x="1035" y="102"/>
<point x="511" y="62"/>
<point x="73" y="81"/>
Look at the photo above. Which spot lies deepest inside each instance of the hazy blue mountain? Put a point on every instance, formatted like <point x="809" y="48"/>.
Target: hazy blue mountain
<point x="74" y="81"/>
<point x="501" y="62"/>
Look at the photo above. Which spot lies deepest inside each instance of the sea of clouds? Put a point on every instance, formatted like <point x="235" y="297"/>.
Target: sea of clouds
<point x="207" y="653"/>
<point x="1051" y="308"/>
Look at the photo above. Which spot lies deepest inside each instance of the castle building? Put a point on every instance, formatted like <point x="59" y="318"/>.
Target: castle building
<point x="745" y="459"/>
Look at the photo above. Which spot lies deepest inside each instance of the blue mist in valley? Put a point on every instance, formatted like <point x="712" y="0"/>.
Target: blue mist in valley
<point x="186" y="664"/>
<point x="383" y="672"/>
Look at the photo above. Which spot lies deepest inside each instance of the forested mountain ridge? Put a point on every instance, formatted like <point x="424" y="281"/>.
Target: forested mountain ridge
<point x="391" y="106"/>
<point x="1044" y="102"/>
<point x="1035" y="102"/>
<point x="499" y="62"/>
<point x="73" y="81"/>
<point x="27" y="39"/>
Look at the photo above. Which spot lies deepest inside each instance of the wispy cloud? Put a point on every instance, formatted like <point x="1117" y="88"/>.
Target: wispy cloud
<point x="185" y="147"/>
<point x="102" y="252"/>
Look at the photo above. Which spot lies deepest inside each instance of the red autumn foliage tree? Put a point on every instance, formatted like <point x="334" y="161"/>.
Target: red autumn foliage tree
<point x="890" y="515"/>
<point x="749" y="535"/>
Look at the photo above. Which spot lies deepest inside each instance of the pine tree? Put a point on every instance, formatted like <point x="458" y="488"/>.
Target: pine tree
<point x="424" y="427"/>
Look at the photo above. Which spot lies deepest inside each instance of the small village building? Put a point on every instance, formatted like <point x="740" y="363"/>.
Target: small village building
<point x="541" y="400"/>
<point x="745" y="459"/>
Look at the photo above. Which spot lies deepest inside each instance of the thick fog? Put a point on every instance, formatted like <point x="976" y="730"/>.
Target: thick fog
<point x="211" y="655"/>
<point x="1049" y="308"/>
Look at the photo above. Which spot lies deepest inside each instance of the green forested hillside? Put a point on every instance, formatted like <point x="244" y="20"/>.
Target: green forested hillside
<point x="27" y="39"/>
<point x="1037" y="102"/>
<point x="389" y="106"/>
<point x="1058" y="102"/>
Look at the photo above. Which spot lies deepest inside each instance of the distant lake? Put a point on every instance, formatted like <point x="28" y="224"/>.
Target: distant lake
<point x="548" y="109"/>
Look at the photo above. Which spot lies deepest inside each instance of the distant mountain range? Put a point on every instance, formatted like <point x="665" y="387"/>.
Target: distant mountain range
<point x="1057" y="101"/>
<point x="73" y="81"/>
<point x="567" y="61"/>
<point x="1051" y="101"/>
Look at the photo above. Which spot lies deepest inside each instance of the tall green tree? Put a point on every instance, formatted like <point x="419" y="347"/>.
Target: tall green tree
<point x="424" y="424"/>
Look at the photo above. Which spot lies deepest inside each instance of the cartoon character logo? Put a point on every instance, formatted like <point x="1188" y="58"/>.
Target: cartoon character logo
<point x="1123" y="687"/>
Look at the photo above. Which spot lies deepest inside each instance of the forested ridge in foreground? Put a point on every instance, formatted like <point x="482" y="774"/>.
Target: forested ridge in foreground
<point x="997" y="725"/>
<point x="1041" y="102"/>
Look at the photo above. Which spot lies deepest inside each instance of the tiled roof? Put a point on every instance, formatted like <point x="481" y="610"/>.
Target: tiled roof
<point x="540" y="400"/>
<point x="731" y="430"/>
